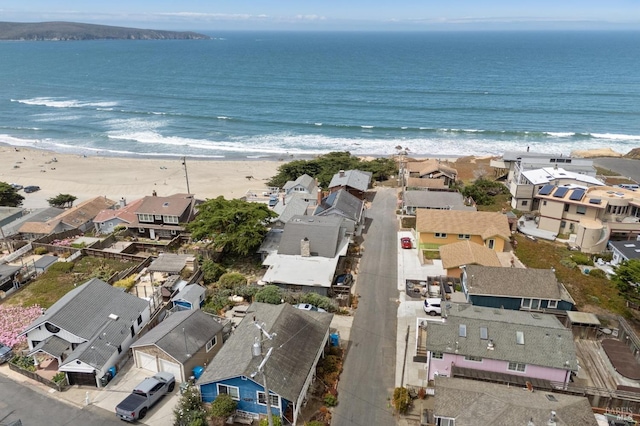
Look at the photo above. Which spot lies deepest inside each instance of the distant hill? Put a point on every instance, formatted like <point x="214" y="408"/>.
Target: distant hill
<point x="77" y="31"/>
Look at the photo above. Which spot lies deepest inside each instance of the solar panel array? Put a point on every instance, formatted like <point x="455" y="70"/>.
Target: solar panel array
<point x="546" y="190"/>
<point x="595" y="201"/>
<point x="560" y="192"/>
<point x="577" y="194"/>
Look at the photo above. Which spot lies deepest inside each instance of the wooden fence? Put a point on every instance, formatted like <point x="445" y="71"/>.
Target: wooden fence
<point x="38" y="378"/>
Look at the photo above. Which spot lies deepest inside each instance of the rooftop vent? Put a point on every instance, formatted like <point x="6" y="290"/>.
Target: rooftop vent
<point x="462" y="330"/>
<point x="113" y="317"/>
<point x="490" y="345"/>
<point x="166" y="204"/>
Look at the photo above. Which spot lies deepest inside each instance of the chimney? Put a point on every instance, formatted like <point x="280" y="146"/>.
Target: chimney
<point x="284" y="201"/>
<point x="305" y="247"/>
<point x="341" y="173"/>
<point x="123" y="202"/>
<point x="154" y="193"/>
<point x="319" y="200"/>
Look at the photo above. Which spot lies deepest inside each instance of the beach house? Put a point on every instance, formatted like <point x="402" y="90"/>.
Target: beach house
<point x="355" y="182"/>
<point x="162" y="217"/>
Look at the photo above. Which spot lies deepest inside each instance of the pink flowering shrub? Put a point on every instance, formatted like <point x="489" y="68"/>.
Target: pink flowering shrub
<point x="13" y="320"/>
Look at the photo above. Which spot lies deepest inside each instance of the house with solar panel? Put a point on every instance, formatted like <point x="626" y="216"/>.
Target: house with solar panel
<point x="525" y="184"/>
<point x="594" y="215"/>
<point x="499" y="345"/>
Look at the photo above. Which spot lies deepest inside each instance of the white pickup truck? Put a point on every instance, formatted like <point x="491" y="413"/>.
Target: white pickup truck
<point x="148" y="392"/>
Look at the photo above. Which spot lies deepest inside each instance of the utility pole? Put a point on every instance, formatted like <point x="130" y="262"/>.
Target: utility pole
<point x="256" y="351"/>
<point x="186" y="176"/>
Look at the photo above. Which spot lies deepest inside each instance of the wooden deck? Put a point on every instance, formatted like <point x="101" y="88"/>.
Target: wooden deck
<point x="594" y="369"/>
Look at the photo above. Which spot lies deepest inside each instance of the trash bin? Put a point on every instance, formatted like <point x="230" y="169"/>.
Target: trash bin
<point x="334" y="339"/>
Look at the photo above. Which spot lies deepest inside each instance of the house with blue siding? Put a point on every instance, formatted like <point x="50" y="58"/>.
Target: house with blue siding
<point x="515" y="288"/>
<point x="299" y="342"/>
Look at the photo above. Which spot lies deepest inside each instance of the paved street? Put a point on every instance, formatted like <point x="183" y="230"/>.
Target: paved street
<point x="369" y="371"/>
<point x="625" y="166"/>
<point x="18" y="401"/>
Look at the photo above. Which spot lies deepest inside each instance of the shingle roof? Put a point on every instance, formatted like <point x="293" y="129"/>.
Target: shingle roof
<point x="191" y="293"/>
<point x="172" y="205"/>
<point x="85" y="211"/>
<point x="300" y="337"/>
<point x="126" y="213"/>
<point x="517" y="282"/>
<point x="484" y="224"/>
<point x="356" y="179"/>
<point x="430" y="166"/>
<point x="324" y="235"/>
<point x="629" y="249"/>
<point x="341" y="203"/>
<point x="182" y="334"/>
<point x="293" y="205"/>
<point x="433" y="199"/>
<point x="170" y="263"/>
<point x="414" y="182"/>
<point x="38" y="215"/>
<point x="473" y="403"/>
<point x="305" y="181"/>
<point x="467" y="253"/>
<point x="547" y="342"/>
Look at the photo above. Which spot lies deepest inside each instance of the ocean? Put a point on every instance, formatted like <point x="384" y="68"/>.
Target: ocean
<point x="278" y="95"/>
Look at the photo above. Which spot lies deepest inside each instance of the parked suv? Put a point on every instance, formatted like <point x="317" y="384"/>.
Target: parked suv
<point x="432" y="306"/>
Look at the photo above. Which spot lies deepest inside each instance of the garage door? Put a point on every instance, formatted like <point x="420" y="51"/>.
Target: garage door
<point x="82" y="379"/>
<point x="171" y="367"/>
<point x="146" y="361"/>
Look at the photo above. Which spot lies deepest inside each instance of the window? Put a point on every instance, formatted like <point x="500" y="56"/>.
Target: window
<point x="464" y="236"/>
<point x="484" y="333"/>
<point x="553" y="304"/>
<point x="212" y="343"/>
<point x="563" y="224"/>
<point x="473" y="358"/>
<point x="142" y="217"/>
<point x="232" y="391"/>
<point x="581" y="210"/>
<point x="444" y="421"/>
<point x="170" y="219"/>
<point x="437" y="355"/>
<point x="566" y="207"/>
<point x="441" y="235"/>
<point x="491" y="243"/>
<point x="525" y="203"/>
<point x="462" y="330"/>
<point x="530" y="304"/>
<point x="275" y="399"/>
<point x="139" y="319"/>
<point x="516" y="366"/>
<point x="544" y="202"/>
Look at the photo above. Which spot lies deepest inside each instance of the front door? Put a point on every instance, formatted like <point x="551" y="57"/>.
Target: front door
<point x="152" y="234"/>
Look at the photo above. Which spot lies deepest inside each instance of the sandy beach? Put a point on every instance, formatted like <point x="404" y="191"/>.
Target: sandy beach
<point x="131" y="178"/>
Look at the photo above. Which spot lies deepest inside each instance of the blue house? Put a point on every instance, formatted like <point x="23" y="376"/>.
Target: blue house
<point x="301" y="337"/>
<point x="515" y="288"/>
<point x="190" y="297"/>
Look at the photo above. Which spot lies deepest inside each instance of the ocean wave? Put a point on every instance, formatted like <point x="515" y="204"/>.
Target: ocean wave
<point x="63" y="103"/>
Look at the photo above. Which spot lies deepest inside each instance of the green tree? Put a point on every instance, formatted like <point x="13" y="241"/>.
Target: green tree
<point x="270" y="294"/>
<point x="211" y="271"/>
<point x="223" y="406"/>
<point x="231" y="280"/>
<point x="277" y="421"/>
<point x="235" y="225"/>
<point x="62" y="200"/>
<point x="627" y="278"/>
<point x="9" y="196"/>
<point x="401" y="400"/>
<point x="189" y="411"/>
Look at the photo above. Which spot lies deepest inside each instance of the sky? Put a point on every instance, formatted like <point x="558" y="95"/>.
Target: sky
<point x="344" y="15"/>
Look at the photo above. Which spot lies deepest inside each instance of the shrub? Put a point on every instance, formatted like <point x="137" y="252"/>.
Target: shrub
<point x="269" y="294"/>
<point x="211" y="271"/>
<point x="598" y="273"/>
<point x="331" y="364"/>
<point x="40" y="250"/>
<point x="320" y="301"/>
<point x="24" y="362"/>
<point x="189" y="410"/>
<point x="126" y="283"/>
<point x="60" y="378"/>
<point x="568" y="263"/>
<point x="61" y="267"/>
<point x="223" y="406"/>
<point x="330" y="400"/>
<point x="401" y="400"/>
<point x="582" y="259"/>
<point x="231" y="279"/>
<point x="606" y="257"/>
<point x="277" y="421"/>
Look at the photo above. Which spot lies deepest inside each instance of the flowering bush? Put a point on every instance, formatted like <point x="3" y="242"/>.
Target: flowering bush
<point x="13" y="320"/>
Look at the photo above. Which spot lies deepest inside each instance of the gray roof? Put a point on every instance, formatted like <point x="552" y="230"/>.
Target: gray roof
<point x="433" y="199"/>
<point x="37" y="215"/>
<point x="52" y="345"/>
<point x="85" y="310"/>
<point x="515" y="282"/>
<point x="190" y="293"/>
<point x="197" y="327"/>
<point x="341" y="203"/>
<point x="305" y="181"/>
<point x="324" y="233"/>
<point x="547" y="342"/>
<point x="8" y="271"/>
<point x="629" y="249"/>
<point x="293" y="205"/>
<point x="271" y="241"/>
<point x="169" y="263"/>
<point x="356" y="179"/>
<point x="300" y="337"/>
<point x="473" y="403"/>
<point x="6" y="213"/>
<point x="45" y="261"/>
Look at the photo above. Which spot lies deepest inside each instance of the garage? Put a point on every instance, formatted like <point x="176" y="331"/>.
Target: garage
<point x="146" y="361"/>
<point x="82" y="379"/>
<point x="173" y="368"/>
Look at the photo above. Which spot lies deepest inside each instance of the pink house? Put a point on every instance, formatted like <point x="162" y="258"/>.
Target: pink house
<point x="512" y="346"/>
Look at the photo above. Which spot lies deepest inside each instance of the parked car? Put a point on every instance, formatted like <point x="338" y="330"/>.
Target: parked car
<point x="17" y="186"/>
<point x="308" y="307"/>
<point x="5" y="353"/>
<point x="406" y="243"/>
<point x="344" y="279"/>
<point x="432" y="306"/>
<point x="148" y="392"/>
<point x="31" y="188"/>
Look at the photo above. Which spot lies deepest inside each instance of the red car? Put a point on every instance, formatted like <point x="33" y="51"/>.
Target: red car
<point x="405" y="242"/>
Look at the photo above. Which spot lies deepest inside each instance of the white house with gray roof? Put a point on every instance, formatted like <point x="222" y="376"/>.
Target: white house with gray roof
<point x="355" y="181"/>
<point x="304" y="187"/>
<point x="437" y="200"/>
<point x="308" y="253"/>
<point x="88" y="330"/>
<point x="460" y="402"/>
<point x="510" y="346"/>
<point x="300" y="337"/>
<point x="342" y="204"/>
<point x="289" y="206"/>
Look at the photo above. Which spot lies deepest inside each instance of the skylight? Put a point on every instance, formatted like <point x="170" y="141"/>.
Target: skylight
<point x="484" y="333"/>
<point x="520" y="337"/>
<point x="462" y="330"/>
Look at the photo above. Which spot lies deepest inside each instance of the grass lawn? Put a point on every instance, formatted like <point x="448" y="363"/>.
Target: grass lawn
<point x="591" y="294"/>
<point x="62" y="278"/>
